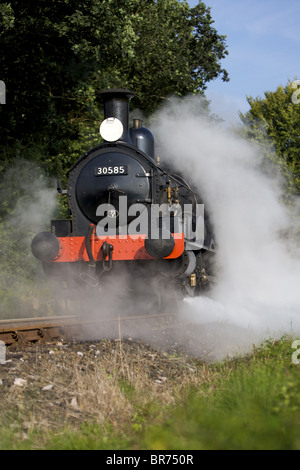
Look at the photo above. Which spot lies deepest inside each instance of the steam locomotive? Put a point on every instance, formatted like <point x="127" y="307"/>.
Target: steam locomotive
<point x="129" y="214"/>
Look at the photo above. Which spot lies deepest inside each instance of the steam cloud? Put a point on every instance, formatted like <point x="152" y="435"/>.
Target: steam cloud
<point x="258" y="267"/>
<point x="257" y="293"/>
<point x="31" y="200"/>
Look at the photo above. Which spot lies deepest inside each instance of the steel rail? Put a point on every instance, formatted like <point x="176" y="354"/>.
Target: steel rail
<point x="24" y="331"/>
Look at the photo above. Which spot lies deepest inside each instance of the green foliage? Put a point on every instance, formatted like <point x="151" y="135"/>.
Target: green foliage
<point x="56" y="56"/>
<point x="275" y="121"/>
<point x="254" y="404"/>
<point x="6" y="17"/>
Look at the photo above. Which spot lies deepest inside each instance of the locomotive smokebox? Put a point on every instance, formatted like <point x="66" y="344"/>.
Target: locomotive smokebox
<point x="116" y="105"/>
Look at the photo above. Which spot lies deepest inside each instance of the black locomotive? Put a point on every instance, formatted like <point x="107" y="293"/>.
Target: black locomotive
<point x="129" y="214"/>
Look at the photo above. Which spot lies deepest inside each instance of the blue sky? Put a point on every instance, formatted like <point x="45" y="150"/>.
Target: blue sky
<point x="263" y="40"/>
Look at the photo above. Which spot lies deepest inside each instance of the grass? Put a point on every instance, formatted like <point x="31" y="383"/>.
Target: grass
<point x="255" y="404"/>
<point x="250" y="402"/>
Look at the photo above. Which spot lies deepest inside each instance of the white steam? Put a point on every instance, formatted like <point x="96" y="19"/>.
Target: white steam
<point x="259" y="276"/>
<point x="30" y="200"/>
<point x="35" y="200"/>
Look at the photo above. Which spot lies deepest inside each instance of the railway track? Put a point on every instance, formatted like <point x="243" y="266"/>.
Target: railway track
<point x="27" y="331"/>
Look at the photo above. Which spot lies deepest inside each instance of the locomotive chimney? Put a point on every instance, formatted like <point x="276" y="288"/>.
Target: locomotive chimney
<point x="116" y="105"/>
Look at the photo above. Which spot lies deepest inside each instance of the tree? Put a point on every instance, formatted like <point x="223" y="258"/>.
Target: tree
<point x="56" y="55"/>
<point x="276" y="119"/>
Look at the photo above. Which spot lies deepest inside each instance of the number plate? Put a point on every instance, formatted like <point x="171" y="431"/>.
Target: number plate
<point x="111" y="170"/>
